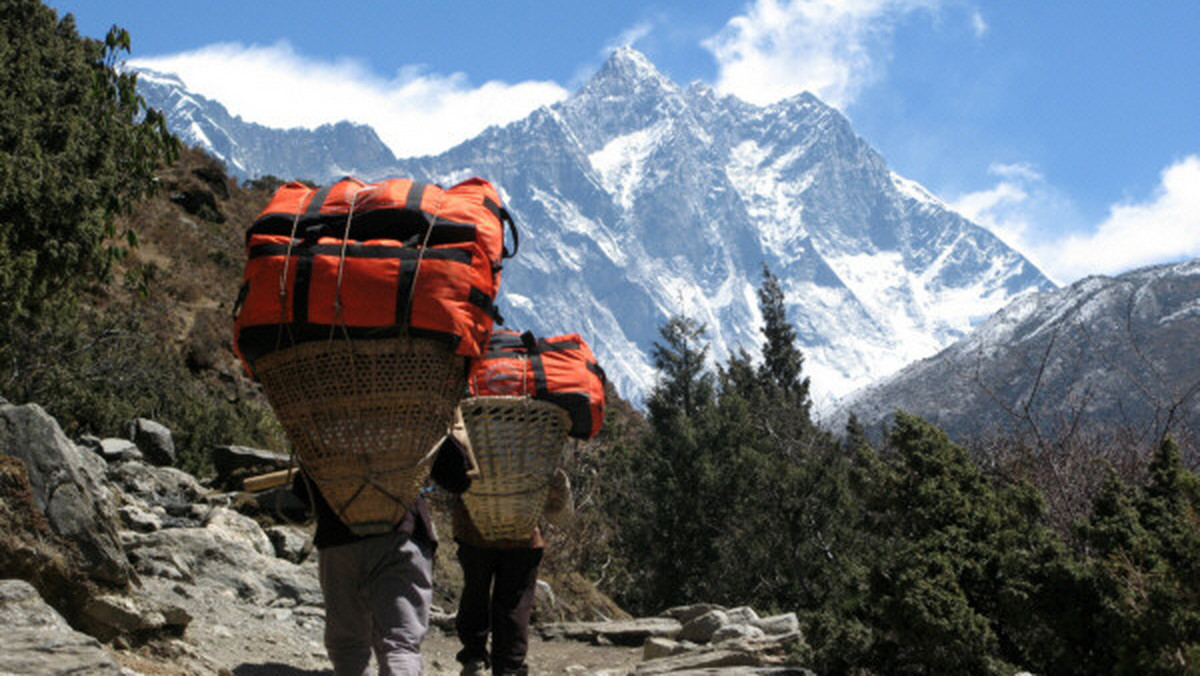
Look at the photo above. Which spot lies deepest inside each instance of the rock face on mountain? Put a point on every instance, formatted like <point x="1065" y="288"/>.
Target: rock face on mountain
<point x="639" y="200"/>
<point x="1115" y="350"/>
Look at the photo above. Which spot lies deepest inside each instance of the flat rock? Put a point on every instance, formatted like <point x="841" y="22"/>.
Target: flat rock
<point x="620" y="632"/>
<point x="37" y="640"/>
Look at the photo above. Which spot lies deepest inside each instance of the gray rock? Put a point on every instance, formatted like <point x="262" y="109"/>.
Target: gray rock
<point x="708" y="659"/>
<point x="229" y="565"/>
<point x="109" y="616"/>
<point x="778" y="625"/>
<point x="135" y="517"/>
<point x="686" y="614"/>
<point x="174" y="490"/>
<point x="37" y="640"/>
<point x="66" y="489"/>
<point x="154" y="440"/>
<point x="736" y="631"/>
<point x="702" y="628"/>
<point x="624" y="632"/>
<point x="742" y="615"/>
<point x="232" y="527"/>
<point x="657" y="647"/>
<point x="118" y="450"/>
<point x="290" y="543"/>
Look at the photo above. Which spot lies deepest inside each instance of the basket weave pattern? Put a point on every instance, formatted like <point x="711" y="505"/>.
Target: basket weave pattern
<point x="363" y="418"/>
<point x="518" y="443"/>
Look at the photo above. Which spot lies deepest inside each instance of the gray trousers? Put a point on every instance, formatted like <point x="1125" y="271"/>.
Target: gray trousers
<point x="377" y="597"/>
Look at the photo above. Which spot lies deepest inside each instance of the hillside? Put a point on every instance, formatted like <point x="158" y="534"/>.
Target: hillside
<point x="1106" y="352"/>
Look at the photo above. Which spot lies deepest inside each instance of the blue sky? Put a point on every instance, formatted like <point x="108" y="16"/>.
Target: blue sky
<point x="1071" y="129"/>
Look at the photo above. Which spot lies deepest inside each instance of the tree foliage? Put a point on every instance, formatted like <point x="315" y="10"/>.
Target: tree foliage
<point x="77" y="147"/>
<point x="907" y="559"/>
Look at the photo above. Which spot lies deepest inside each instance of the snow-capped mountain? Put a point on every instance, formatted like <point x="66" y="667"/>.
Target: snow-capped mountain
<point x="251" y="150"/>
<point x="638" y="199"/>
<point x="1114" y="350"/>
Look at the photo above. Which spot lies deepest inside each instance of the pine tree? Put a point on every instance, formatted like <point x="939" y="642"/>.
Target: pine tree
<point x="1144" y="547"/>
<point x="77" y="146"/>
<point x="668" y="539"/>
<point x="783" y="362"/>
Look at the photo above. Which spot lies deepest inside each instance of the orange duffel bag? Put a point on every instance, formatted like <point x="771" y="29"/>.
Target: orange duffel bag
<point x="559" y="369"/>
<point x="379" y="260"/>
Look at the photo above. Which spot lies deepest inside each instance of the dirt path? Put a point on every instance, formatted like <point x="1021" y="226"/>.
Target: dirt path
<point x="262" y="653"/>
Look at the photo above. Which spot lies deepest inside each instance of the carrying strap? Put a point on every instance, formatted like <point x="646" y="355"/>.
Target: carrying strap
<point x="505" y="219"/>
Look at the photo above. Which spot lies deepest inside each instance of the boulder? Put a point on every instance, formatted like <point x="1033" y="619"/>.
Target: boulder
<point x="779" y="625"/>
<point x="109" y="616"/>
<point x="702" y="628"/>
<point x="621" y="632"/>
<point x="742" y="615"/>
<point x="686" y="614"/>
<point x="708" y="659"/>
<point x="112" y="450"/>
<point x="230" y="526"/>
<point x="154" y="440"/>
<point x="173" y="491"/>
<point x="66" y="489"/>
<point x="735" y="631"/>
<point x="234" y="463"/>
<point x="221" y="564"/>
<point x="37" y="640"/>
<point x="657" y="647"/>
<point x="290" y="543"/>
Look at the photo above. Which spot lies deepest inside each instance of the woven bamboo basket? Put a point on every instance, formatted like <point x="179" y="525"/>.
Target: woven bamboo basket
<point x="518" y="443"/>
<point x="363" y="418"/>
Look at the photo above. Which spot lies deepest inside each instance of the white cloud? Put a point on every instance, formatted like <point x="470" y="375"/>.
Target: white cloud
<point x="630" y="36"/>
<point x="1029" y="215"/>
<point x="414" y="112"/>
<point x="1164" y="229"/>
<point x="978" y="24"/>
<point x="832" y="48"/>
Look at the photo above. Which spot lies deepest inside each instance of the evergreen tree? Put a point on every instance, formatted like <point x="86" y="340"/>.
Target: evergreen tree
<point x="1144" y="546"/>
<point x="782" y="360"/>
<point x="77" y="146"/>
<point x="669" y="537"/>
<point x="962" y="574"/>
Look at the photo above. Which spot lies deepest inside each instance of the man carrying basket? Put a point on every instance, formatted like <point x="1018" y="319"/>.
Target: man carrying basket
<point x="527" y="396"/>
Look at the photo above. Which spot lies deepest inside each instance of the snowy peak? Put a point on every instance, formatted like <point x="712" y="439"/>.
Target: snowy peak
<point x="638" y="200"/>
<point x="627" y="70"/>
<point x="627" y="94"/>
<point x="252" y="150"/>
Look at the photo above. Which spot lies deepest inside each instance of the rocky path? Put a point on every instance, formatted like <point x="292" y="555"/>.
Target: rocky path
<point x="177" y="577"/>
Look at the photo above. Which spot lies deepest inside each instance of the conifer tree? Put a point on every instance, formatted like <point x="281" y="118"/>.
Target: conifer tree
<point x="782" y="360"/>
<point x="1144" y="546"/>
<point x="77" y="146"/>
<point x="668" y="541"/>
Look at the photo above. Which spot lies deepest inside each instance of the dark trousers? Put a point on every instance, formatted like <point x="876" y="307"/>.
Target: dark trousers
<point x="498" y="588"/>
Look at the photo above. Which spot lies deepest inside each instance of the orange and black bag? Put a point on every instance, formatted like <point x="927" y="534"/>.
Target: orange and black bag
<point x="379" y="260"/>
<point x="560" y="369"/>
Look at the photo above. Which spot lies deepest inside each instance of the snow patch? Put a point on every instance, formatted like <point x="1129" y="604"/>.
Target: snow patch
<point x="621" y="162"/>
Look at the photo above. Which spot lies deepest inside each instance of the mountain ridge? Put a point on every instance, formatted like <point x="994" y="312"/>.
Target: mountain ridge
<point x="1104" y="349"/>
<point x="639" y="199"/>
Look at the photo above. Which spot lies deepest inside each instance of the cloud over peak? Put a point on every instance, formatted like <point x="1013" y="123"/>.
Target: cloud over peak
<point x="832" y="48"/>
<point x="415" y="112"/>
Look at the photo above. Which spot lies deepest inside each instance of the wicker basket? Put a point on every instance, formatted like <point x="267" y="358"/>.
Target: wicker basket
<point x="363" y="418"/>
<point x="518" y="443"/>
